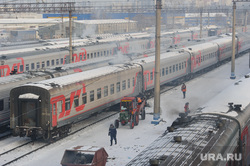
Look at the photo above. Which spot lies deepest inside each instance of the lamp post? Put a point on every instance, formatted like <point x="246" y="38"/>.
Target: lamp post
<point x="233" y="44"/>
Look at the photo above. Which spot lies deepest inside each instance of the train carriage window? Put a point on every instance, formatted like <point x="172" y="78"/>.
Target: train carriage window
<point x="48" y="63"/>
<point x="176" y="67"/>
<point x="76" y="101"/>
<point x="123" y="84"/>
<point x="80" y="56"/>
<point x="104" y="53"/>
<point x="128" y="83"/>
<point x="21" y="68"/>
<point x="52" y="62"/>
<point x="173" y="68"/>
<point x="105" y="91"/>
<point x="112" y="89"/>
<point x="91" y="55"/>
<point x="166" y="70"/>
<point x="182" y="65"/>
<point x="95" y="55"/>
<point x="151" y="76"/>
<point x="179" y="66"/>
<point x="59" y="107"/>
<point x="98" y="54"/>
<point x="38" y="65"/>
<point x="107" y="52"/>
<point x="84" y="98"/>
<point x="32" y="66"/>
<point x="61" y="60"/>
<point x="67" y="104"/>
<point x="118" y="87"/>
<point x="185" y="64"/>
<point x="1" y="105"/>
<point x="99" y="93"/>
<point x="57" y="61"/>
<point x="43" y="64"/>
<point x="92" y="95"/>
<point x="87" y="56"/>
<point x="101" y="53"/>
<point x="163" y="72"/>
<point x="133" y="81"/>
<point x="170" y="69"/>
<point x="110" y="52"/>
<point x="27" y="67"/>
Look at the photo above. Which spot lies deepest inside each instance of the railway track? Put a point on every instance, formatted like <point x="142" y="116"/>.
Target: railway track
<point x="29" y="147"/>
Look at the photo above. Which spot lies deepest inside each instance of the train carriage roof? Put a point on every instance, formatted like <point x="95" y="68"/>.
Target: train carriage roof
<point x="82" y="76"/>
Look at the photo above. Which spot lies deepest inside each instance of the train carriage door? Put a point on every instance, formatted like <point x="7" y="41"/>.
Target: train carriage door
<point x="29" y="105"/>
<point x="139" y="82"/>
<point x="58" y="108"/>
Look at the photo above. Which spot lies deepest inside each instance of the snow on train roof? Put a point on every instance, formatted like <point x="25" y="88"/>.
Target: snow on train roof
<point x="73" y="78"/>
<point x="237" y="93"/>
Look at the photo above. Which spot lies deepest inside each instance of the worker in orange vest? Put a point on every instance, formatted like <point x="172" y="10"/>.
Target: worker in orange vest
<point x="184" y="89"/>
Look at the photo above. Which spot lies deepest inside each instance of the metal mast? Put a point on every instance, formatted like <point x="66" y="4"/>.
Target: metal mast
<point x="157" y="65"/>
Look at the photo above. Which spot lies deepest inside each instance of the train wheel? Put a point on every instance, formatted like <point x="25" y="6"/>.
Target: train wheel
<point x="132" y="122"/>
<point x="137" y="119"/>
<point x="117" y="123"/>
<point x="143" y="114"/>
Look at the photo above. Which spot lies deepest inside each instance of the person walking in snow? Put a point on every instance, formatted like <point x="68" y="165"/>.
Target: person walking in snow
<point x="112" y="134"/>
<point x="184" y="89"/>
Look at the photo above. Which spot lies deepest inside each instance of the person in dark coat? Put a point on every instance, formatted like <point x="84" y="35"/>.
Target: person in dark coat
<point x="112" y="134"/>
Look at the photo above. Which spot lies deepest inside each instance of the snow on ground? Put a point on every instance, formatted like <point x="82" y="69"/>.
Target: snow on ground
<point x="132" y="142"/>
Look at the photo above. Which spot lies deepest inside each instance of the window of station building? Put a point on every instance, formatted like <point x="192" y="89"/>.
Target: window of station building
<point x="179" y="66"/>
<point x="52" y="62"/>
<point x="1" y="105"/>
<point x="107" y="52"/>
<point x="151" y="76"/>
<point x="98" y="54"/>
<point x="84" y="98"/>
<point x="32" y="66"/>
<point x="67" y="104"/>
<point x="38" y="65"/>
<point x="76" y="101"/>
<point x="101" y="53"/>
<point x="48" y="63"/>
<point x="112" y="89"/>
<point x="61" y="60"/>
<point x="118" y="87"/>
<point x="99" y="93"/>
<point x="27" y="67"/>
<point x="128" y="83"/>
<point x="104" y="53"/>
<point x="166" y="70"/>
<point x="92" y="95"/>
<point x="106" y="90"/>
<point x="57" y="61"/>
<point x="162" y="72"/>
<point x="21" y="68"/>
<point x="123" y="84"/>
<point x="43" y="64"/>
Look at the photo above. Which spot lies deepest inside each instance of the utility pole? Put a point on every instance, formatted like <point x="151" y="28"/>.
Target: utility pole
<point x="157" y="65"/>
<point x="233" y="45"/>
<point x="70" y="37"/>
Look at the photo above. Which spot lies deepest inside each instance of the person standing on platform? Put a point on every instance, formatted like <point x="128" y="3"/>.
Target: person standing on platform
<point x="184" y="89"/>
<point x="112" y="134"/>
